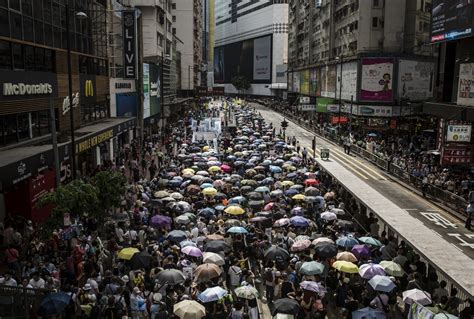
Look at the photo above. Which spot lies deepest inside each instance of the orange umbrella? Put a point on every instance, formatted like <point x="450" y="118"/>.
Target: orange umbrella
<point x="206" y="272"/>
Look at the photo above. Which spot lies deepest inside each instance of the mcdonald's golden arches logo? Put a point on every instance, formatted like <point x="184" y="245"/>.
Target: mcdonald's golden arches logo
<point x="88" y="88"/>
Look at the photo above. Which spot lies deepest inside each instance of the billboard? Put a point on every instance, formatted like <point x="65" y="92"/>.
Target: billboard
<point x="451" y="19"/>
<point x="296" y="82"/>
<point x="290" y="82"/>
<point x="304" y="82"/>
<point x="376" y="80"/>
<point x="249" y="58"/>
<point x="349" y="81"/>
<point x="415" y="80"/>
<point x="328" y="81"/>
<point x="155" y="89"/>
<point x="459" y="133"/>
<point x="126" y="104"/>
<point x="281" y="70"/>
<point x="262" y="59"/>
<point x="129" y="29"/>
<point x="146" y="90"/>
<point x="314" y="82"/>
<point x="466" y="84"/>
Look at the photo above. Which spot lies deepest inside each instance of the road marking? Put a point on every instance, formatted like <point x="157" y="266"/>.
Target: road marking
<point x="439" y="220"/>
<point x="358" y="167"/>
<point x="410" y="208"/>
<point x="351" y="167"/>
<point x="361" y="163"/>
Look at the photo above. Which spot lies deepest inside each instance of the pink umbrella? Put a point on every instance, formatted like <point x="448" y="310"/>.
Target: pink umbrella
<point x="226" y="168"/>
<point x="192" y="251"/>
<point x="301" y="245"/>
<point x="269" y="206"/>
<point x="282" y="222"/>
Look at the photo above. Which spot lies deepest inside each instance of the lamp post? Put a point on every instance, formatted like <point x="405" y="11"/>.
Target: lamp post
<point x="80" y="15"/>
<point x="340" y="58"/>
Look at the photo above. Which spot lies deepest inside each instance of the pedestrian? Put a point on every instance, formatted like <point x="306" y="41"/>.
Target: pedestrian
<point x="469" y="213"/>
<point x="305" y="155"/>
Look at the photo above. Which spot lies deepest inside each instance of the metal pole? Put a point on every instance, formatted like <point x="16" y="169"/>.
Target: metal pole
<point x="69" y="78"/>
<point x="340" y="95"/>
<point x="52" y="115"/>
<point x="162" y="86"/>
<point x="189" y="79"/>
<point x="350" y="115"/>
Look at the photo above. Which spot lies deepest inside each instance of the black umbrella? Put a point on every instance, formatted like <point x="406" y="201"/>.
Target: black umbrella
<point x="285" y="306"/>
<point x="275" y="252"/>
<point x="177" y="236"/>
<point x="256" y="204"/>
<point x="170" y="276"/>
<point x="325" y="249"/>
<point x="345" y="224"/>
<point x="141" y="260"/>
<point x="54" y="303"/>
<point x="217" y="246"/>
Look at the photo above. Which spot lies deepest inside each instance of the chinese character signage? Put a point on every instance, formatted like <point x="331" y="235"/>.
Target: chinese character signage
<point x="458" y="133"/>
<point x="377" y="79"/>
<point x="466" y="84"/>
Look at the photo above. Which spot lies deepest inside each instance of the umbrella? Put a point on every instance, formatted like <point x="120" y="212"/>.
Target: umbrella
<point x="246" y="292"/>
<point x="209" y="191"/>
<point x="214" y="169"/>
<point x="189" y="309"/>
<point x="313" y="286"/>
<point x="361" y="251"/>
<point x="275" y="169"/>
<point x="160" y="221"/>
<point x="192" y="251"/>
<point x="301" y="245"/>
<point x="170" y="276"/>
<point x="269" y="206"/>
<point x="325" y="250"/>
<point x="416" y="295"/>
<point x="346" y="266"/>
<point x="127" y="253"/>
<point x="206" y="272"/>
<point x="226" y="168"/>
<point x="346" y="242"/>
<point x="312" y="191"/>
<point x="370" y="241"/>
<point x="187" y="243"/>
<point x="368" y="313"/>
<point x="177" y="196"/>
<point x="298" y="197"/>
<point x="392" y="268"/>
<point x="177" y="236"/>
<point x="322" y="240"/>
<point x="368" y="271"/>
<point x="212" y="294"/>
<point x="286" y="306"/>
<point x="311" y="268"/>
<point x="233" y="222"/>
<point x="346" y="256"/>
<point x="207" y="212"/>
<point x="281" y="222"/>
<point x="54" y="303"/>
<point x="311" y="182"/>
<point x="381" y="283"/>
<point x="328" y="216"/>
<point x="237" y="230"/>
<point x="206" y="185"/>
<point x="262" y="189"/>
<point x="214" y="237"/>
<point x="274" y="251"/>
<point x="299" y="221"/>
<point x="161" y="194"/>
<point x="182" y="219"/>
<point x="213" y="258"/>
<point x="443" y="315"/>
<point x="217" y="246"/>
<point x="234" y="210"/>
<point x="141" y="259"/>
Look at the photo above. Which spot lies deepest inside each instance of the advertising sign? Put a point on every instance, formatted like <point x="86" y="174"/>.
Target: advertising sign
<point x="87" y="88"/>
<point x="349" y="81"/>
<point x="129" y="25"/>
<point x="376" y="79"/>
<point x="304" y="82"/>
<point x="296" y="82"/>
<point x="17" y="85"/>
<point x="415" y="80"/>
<point x="322" y="104"/>
<point x="328" y="81"/>
<point x="290" y="82"/>
<point x="372" y="110"/>
<point x="146" y="90"/>
<point x="155" y="89"/>
<point x="456" y="155"/>
<point x="451" y="19"/>
<point x="281" y="73"/>
<point x="466" y="84"/>
<point x="262" y="58"/>
<point x="306" y="107"/>
<point x="458" y="133"/>
<point x="219" y="65"/>
<point x="314" y="88"/>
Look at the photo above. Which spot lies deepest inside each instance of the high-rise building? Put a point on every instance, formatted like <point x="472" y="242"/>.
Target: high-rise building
<point x="207" y="77"/>
<point x="251" y="40"/>
<point x="187" y="15"/>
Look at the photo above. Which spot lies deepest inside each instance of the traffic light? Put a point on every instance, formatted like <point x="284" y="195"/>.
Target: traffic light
<point x="284" y="124"/>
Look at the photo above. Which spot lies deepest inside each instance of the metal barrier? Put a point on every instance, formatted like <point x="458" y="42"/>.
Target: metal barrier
<point x="19" y="302"/>
<point x="453" y="201"/>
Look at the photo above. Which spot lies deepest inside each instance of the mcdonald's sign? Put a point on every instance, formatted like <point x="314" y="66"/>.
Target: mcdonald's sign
<point x="88" y="89"/>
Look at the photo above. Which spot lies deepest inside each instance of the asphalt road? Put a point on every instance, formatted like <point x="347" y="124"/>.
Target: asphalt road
<point x="439" y="221"/>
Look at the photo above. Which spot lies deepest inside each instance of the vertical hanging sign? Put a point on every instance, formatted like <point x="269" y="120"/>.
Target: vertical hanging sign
<point x="130" y="58"/>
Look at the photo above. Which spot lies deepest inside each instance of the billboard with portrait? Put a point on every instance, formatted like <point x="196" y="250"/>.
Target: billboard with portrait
<point x="296" y="81"/>
<point x="349" y="81"/>
<point x="290" y="82"/>
<point x="250" y="58"/>
<point x="376" y="80"/>
<point x="415" y="80"/>
<point x="328" y="81"/>
<point x="466" y="84"/>
<point x="314" y="87"/>
<point x="304" y="82"/>
<point x="451" y="19"/>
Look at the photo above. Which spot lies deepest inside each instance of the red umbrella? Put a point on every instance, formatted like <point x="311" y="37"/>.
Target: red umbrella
<point x="269" y="206"/>
<point x="226" y="168"/>
<point x="311" y="182"/>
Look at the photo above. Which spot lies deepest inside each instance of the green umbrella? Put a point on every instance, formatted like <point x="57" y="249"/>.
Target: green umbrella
<point x="392" y="268"/>
<point x="312" y="268"/>
<point x="370" y="241"/>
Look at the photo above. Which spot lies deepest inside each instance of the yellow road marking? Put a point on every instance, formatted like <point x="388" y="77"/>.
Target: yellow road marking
<point x="361" y="163"/>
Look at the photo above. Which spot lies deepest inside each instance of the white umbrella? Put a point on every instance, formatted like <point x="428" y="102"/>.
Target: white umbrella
<point x="213" y="258"/>
<point x="328" y="216"/>
<point x="416" y="295"/>
<point x="246" y="292"/>
<point x="189" y="309"/>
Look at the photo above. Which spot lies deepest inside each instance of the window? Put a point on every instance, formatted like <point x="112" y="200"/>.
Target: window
<point x="47" y="11"/>
<point x="23" y="126"/>
<point x="16" y="26"/>
<point x="375" y="22"/>
<point x="173" y="6"/>
<point x="15" y="5"/>
<point x="5" y="56"/>
<point x="48" y="34"/>
<point x="56" y="15"/>
<point x="4" y="25"/>
<point x="4" y="3"/>
<point x="174" y="18"/>
<point x="27" y="7"/>
<point x="49" y="61"/>
<point x="39" y="32"/>
<point x="38" y="9"/>
<point x="28" y="29"/>
<point x="29" y="57"/>
<point x="18" y="63"/>
<point x="39" y="59"/>
<point x="10" y="129"/>
<point x="376" y="3"/>
<point x="40" y="123"/>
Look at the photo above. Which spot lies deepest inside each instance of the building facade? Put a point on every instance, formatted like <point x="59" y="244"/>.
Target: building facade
<point x="251" y="40"/>
<point x="188" y="18"/>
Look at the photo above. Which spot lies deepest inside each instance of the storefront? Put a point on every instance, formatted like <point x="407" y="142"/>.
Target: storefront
<point x="123" y="98"/>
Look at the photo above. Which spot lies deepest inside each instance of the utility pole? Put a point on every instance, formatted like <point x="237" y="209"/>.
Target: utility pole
<point x="57" y="170"/>
<point x="340" y="93"/>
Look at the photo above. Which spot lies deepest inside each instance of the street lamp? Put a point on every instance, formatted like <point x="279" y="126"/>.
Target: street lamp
<point x="80" y="15"/>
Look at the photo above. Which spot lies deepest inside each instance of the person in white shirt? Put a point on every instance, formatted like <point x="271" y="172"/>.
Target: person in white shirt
<point x="9" y="281"/>
<point x="37" y="282"/>
<point x="234" y="275"/>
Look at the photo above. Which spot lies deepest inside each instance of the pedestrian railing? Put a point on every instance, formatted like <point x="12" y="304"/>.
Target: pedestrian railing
<point x="19" y="302"/>
<point x="451" y="200"/>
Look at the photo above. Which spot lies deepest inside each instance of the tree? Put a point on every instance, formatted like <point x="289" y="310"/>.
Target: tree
<point x="241" y="83"/>
<point x="110" y="186"/>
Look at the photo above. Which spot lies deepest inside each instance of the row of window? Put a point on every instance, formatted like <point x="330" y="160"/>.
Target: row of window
<point x="93" y="112"/>
<point x="24" y="126"/>
<point x="14" y="56"/>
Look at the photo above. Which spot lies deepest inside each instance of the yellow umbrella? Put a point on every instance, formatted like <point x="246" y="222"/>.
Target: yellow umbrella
<point x="299" y="197"/>
<point x="234" y="210"/>
<point x="214" y="169"/>
<point x="289" y="168"/>
<point x="210" y="191"/>
<point x="346" y="266"/>
<point x="205" y="148"/>
<point x="287" y="183"/>
<point x="188" y="171"/>
<point x="127" y="253"/>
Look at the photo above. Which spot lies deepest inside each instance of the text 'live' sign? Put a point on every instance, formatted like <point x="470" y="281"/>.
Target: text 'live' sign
<point x="129" y="22"/>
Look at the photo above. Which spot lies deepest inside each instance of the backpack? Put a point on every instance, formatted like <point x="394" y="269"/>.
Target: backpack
<point x="386" y="307"/>
<point x="269" y="275"/>
<point x="119" y="307"/>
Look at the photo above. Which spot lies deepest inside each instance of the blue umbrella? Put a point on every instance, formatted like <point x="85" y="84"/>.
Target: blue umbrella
<point x="237" y="230"/>
<point x="368" y="313"/>
<point x="206" y="185"/>
<point x="292" y="175"/>
<point x="238" y="200"/>
<point x="262" y="189"/>
<point x="299" y="221"/>
<point x="291" y="192"/>
<point x="220" y="207"/>
<point x="54" y="303"/>
<point x="175" y="183"/>
<point x="382" y="283"/>
<point x="275" y="169"/>
<point x="212" y="294"/>
<point x="207" y="212"/>
<point x="347" y="242"/>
